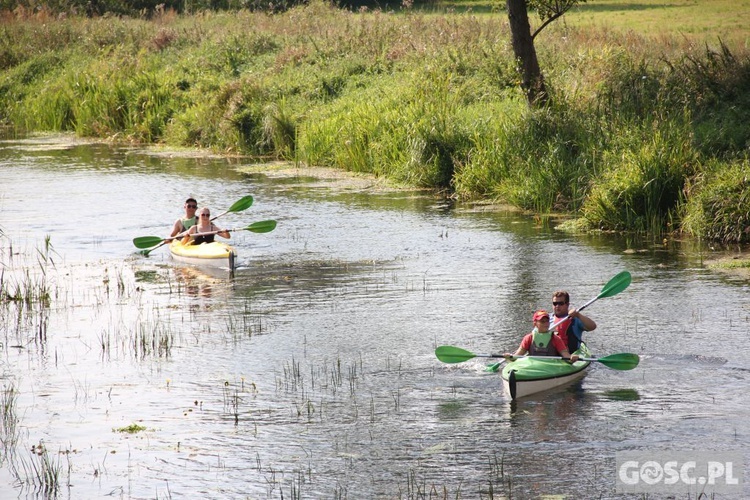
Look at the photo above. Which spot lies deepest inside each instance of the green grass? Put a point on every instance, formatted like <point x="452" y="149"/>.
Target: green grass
<point x="693" y="19"/>
<point x="644" y="117"/>
<point x="734" y="264"/>
<point x="130" y="429"/>
<point x="671" y="21"/>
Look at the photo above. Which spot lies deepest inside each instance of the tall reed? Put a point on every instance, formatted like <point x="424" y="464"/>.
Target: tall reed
<point x="9" y="432"/>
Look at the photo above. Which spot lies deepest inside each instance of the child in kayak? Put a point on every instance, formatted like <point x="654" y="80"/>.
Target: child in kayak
<point x="541" y="341"/>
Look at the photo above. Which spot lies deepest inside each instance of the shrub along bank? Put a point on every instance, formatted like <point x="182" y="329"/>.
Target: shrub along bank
<point x="645" y="134"/>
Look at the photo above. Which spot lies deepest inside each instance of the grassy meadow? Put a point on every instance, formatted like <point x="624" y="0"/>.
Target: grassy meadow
<point x="647" y="128"/>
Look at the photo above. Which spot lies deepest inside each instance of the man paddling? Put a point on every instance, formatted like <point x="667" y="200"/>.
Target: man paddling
<point x="572" y="328"/>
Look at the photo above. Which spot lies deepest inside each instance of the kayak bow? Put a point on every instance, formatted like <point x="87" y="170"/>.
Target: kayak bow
<point x="215" y="254"/>
<point x="532" y="374"/>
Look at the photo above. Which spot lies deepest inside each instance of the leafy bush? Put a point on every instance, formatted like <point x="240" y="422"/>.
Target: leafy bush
<point x="719" y="208"/>
<point x="641" y="187"/>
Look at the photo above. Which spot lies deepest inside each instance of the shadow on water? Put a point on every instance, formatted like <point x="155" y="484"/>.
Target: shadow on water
<point x="622" y="395"/>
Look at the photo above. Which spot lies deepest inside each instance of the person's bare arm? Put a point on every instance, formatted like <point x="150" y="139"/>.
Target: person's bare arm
<point x="176" y="228"/>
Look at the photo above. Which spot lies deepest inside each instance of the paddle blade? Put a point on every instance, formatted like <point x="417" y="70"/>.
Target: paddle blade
<point x="264" y="226"/>
<point x="241" y="204"/>
<point x="622" y="361"/>
<point x="148" y="251"/>
<point x="450" y="354"/>
<point x="494" y="367"/>
<point x="147" y="241"/>
<point x="615" y="285"/>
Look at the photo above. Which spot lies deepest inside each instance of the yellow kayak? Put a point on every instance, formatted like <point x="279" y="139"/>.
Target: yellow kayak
<point x="215" y="254"/>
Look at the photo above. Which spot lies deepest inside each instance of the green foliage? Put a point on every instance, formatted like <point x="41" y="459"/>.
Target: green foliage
<point x="717" y="87"/>
<point x="720" y="207"/>
<point x="133" y="101"/>
<point x="416" y="134"/>
<point x="424" y="99"/>
<point x="551" y="9"/>
<point x="642" y="182"/>
<point x="230" y="120"/>
<point x="130" y="429"/>
<point x="280" y="130"/>
<point x="536" y="159"/>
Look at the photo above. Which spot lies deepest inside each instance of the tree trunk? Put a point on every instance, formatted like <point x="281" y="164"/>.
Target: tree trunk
<point x="532" y="81"/>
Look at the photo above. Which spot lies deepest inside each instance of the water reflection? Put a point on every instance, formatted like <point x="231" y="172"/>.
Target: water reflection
<point x="622" y="395"/>
<point x="196" y="282"/>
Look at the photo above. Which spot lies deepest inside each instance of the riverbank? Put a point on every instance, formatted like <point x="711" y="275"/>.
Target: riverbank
<point x="645" y="133"/>
<point x="736" y="263"/>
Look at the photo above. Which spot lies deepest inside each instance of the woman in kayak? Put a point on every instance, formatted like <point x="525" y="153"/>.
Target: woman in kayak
<point x="571" y="330"/>
<point x="183" y="224"/>
<point x="203" y="226"/>
<point x="541" y="341"/>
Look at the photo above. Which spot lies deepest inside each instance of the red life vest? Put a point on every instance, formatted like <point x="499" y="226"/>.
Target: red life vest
<point x="565" y="332"/>
<point x="562" y="329"/>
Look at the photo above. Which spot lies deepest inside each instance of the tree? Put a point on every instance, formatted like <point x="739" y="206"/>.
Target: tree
<point x="532" y="80"/>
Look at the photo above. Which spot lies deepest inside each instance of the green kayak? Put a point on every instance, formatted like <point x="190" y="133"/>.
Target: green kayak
<point x="529" y="375"/>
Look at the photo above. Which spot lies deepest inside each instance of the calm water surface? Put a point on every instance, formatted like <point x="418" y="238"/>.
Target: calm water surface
<point x="311" y="372"/>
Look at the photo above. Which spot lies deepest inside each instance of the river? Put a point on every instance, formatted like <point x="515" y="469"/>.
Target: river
<point x="310" y="372"/>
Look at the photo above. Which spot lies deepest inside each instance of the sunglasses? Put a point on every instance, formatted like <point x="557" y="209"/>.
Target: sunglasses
<point x="559" y="303"/>
<point x="205" y="215"/>
<point x="544" y="320"/>
<point x="192" y="206"/>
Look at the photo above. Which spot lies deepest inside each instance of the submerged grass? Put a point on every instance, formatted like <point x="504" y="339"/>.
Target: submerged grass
<point x="9" y="432"/>
<point x="42" y="471"/>
<point x="641" y="125"/>
<point x="29" y="287"/>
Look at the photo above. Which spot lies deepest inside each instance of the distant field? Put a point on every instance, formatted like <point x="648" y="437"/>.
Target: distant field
<point x="701" y="18"/>
<point x="704" y="19"/>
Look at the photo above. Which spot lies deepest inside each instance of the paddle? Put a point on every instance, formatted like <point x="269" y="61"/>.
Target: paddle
<point x="147" y="241"/>
<point x="451" y="354"/>
<point x="620" y="361"/>
<point x="264" y="226"/>
<point x="150" y="241"/>
<point x="238" y="206"/>
<point x="494" y="367"/>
